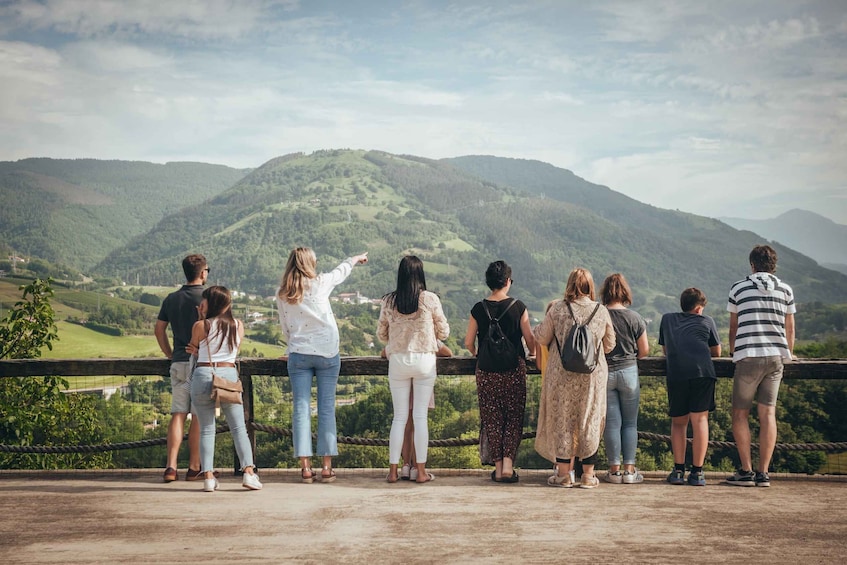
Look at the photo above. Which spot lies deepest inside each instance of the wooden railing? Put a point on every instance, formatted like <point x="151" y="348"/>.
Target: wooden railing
<point x="835" y="369"/>
<point x="648" y="367"/>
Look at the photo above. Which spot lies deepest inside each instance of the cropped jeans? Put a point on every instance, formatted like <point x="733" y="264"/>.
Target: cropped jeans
<point x="204" y="408"/>
<point x="622" y="397"/>
<point x="301" y="369"/>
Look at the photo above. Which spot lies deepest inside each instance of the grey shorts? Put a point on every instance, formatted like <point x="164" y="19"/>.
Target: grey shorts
<point x="757" y="377"/>
<point x="181" y="387"/>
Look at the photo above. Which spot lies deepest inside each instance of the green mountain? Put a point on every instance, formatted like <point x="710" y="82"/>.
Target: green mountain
<point x="75" y="211"/>
<point x="659" y="249"/>
<point x="458" y="215"/>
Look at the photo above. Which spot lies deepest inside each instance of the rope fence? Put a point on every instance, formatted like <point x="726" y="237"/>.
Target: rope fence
<point x="829" y="447"/>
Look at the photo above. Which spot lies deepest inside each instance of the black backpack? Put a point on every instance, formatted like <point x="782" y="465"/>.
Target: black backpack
<point x="579" y="354"/>
<point x="496" y="351"/>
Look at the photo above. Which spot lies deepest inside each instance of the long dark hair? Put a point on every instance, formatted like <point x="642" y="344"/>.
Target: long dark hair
<point x="219" y="305"/>
<point x="410" y="282"/>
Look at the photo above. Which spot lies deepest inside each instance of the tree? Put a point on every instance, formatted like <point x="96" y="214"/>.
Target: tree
<point x="34" y="410"/>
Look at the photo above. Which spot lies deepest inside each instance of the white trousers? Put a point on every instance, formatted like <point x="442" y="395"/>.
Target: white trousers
<point x="410" y="372"/>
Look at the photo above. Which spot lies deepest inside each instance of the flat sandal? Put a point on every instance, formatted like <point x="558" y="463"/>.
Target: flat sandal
<point x="327" y="478"/>
<point x="310" y="479"/>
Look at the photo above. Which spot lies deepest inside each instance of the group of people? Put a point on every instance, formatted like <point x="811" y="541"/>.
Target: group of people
<point x="577" y="409"/>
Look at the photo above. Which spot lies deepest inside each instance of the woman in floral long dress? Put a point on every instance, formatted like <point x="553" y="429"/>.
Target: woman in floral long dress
<point x="572" y="412"/>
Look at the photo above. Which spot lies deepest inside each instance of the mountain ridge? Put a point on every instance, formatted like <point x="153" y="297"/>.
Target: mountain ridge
<point x="75" y="211"/>
<point x="341" y="202"/>
<point x="808" y="232"/>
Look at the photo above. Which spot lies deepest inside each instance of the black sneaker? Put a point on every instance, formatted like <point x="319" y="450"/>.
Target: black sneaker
<point x="696" y="479"/>
<point x="762" y="480"/>
<point x="742" y="479"/>
<point x="676" y="477"/>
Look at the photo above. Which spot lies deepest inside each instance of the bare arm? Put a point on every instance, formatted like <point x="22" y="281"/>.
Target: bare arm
<point x="470" y="336"/>
<point x="526" y="331"/>
<point x="789" y="332"/>
<point x="643" y="345"/>
<point x="161" y="333"/>
<point x="443" y="351"/>
<point x="733" y="330"/>
<point x="198" y="334"/>
<point x="715" y="350"/>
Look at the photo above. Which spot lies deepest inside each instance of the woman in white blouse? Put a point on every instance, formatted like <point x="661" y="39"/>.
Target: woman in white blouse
<point x="411" y="322"/>
<point x="309" y="327"/>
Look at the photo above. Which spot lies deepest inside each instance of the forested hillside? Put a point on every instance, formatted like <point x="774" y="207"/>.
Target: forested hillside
<point x="75" y="211"/>
<point x="342" y="202"/>
<point x="656" y="248"/>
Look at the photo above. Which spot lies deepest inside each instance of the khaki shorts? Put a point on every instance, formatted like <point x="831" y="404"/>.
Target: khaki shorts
<point x="181" y="387"/>
<point x="757" y="377"/>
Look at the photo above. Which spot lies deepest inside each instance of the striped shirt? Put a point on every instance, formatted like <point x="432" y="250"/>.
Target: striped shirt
<point x="761" y="302"/>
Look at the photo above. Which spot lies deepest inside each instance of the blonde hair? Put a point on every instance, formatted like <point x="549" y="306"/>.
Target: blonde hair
<point x="299" y="270"/>
<point x="580" y="283"/>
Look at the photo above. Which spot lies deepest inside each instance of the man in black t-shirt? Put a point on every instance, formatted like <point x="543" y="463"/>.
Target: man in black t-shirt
<point x="180" y="311"/>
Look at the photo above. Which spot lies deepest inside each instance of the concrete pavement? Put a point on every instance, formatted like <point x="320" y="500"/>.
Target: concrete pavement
<point x="462" y="517"/>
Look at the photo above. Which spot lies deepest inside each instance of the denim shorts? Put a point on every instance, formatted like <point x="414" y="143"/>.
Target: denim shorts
<point x="181" y="387"/>
<point x="756" y="377"/>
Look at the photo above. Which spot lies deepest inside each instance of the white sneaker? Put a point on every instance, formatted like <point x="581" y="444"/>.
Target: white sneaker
<point x="413" y="474"/>
<point x="615" y="478"/>
<point x="631" y="478"/>
<point x="251" y="482"/>
<point x="210" y="485"/>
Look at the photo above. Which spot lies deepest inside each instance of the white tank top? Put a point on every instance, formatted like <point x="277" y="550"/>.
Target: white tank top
<point x="221" y="352"/>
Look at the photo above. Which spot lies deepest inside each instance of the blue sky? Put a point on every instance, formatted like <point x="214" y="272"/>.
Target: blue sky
<point x="720" y="108"/>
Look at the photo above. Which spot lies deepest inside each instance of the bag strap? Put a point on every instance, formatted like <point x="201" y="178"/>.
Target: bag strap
<point x="503" y="313"/>
<point x="588" y="321"/>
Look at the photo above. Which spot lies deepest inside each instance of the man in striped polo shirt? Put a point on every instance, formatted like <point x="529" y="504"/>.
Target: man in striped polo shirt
<point x="761" y="338"/>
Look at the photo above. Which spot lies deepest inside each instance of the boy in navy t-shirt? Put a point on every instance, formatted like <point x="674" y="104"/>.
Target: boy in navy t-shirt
<point x="690" y="340"/>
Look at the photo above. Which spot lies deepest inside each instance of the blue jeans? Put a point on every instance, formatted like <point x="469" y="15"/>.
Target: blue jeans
<point x="204" y="409"/>
<point x="622" y="397"/>
<point x="301" y="369"/>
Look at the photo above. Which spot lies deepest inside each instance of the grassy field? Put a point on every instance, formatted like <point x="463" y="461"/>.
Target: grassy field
<point x="78" y="342"/>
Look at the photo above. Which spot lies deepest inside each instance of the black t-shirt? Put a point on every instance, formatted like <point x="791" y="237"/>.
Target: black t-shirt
<point x="688" y="338"/>
<point x="629" y="326"/>
<point x="510" y="323"/>
<point x="179" y="309"/>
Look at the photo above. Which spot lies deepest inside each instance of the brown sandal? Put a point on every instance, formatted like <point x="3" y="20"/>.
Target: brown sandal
<point x="327" y="478"/>
<point x="310" y="479"/>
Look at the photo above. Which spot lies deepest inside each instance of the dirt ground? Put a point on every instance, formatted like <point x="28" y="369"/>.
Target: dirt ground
<point x="461" y="517"/>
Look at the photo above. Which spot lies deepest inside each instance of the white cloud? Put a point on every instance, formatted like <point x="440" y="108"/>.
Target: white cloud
<point x="206" y="19"/>
<point x="401" y="93"/>
<point x="773" y="35"/>
<point x="670" y="102"/>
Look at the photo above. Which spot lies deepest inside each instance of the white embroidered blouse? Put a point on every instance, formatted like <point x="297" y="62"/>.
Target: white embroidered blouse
<point x="310" y="327"/>
<point x="413" y="333"/>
